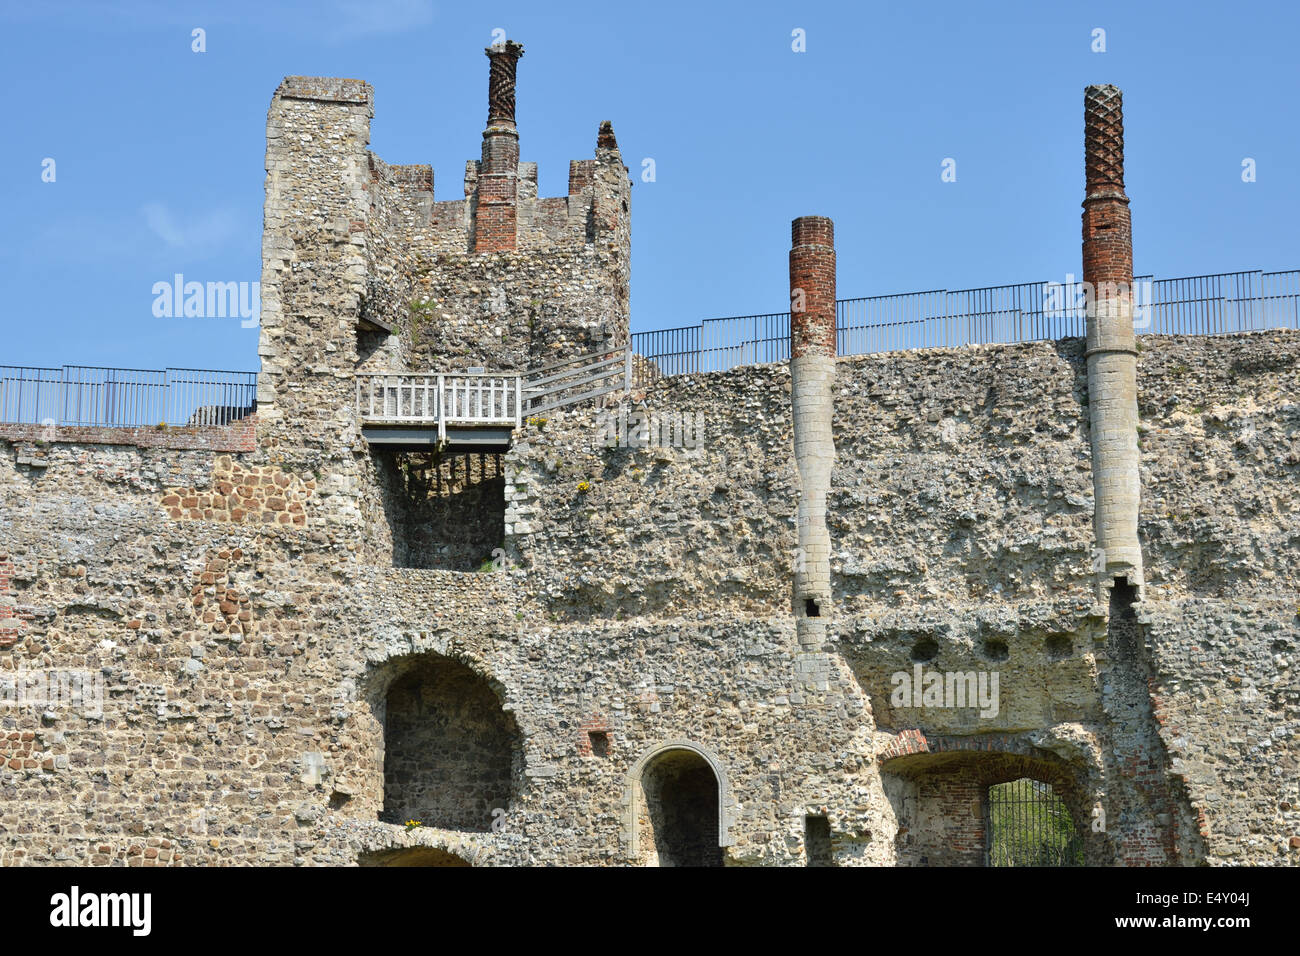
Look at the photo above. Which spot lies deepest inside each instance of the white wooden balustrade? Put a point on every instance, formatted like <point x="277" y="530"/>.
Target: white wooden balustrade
<point x="440" y="398"/>
<point x="469" y="400"/>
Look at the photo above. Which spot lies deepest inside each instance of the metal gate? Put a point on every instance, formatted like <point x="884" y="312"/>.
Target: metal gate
<point x="1029" y="825"/>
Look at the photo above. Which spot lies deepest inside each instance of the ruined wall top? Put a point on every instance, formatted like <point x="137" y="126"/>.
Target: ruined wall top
<point x="433" y="273"/>
<point x="328" y="89"/>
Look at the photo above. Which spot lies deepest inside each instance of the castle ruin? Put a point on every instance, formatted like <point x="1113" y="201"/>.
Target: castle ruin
<point x="416" y="587"/>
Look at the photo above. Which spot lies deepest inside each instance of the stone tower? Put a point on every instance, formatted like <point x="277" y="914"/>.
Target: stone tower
<point x="364" y="271"/>
<point x="501" y="277"/>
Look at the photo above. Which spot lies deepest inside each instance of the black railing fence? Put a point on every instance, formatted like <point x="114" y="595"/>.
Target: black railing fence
<point x="126" y="398"/>
<point x="1027" y="824"/>
<point x="1196" y="305"/>
<point x="939" y="318"/>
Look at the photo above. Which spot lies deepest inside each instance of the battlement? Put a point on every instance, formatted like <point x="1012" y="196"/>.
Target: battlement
<point x="590" y="214"/>
<point x="366" y="270"/>
<point x="500" y="209"/>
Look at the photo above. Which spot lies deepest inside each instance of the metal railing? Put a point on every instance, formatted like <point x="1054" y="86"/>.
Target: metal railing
<point x="1195" y="305"/>
<point x="570" y="381"/>
<point x="472" y="399"/>
<point x="125" y="398"/>
<point x="939" y="318"/>
<point x="1027" y="824"/>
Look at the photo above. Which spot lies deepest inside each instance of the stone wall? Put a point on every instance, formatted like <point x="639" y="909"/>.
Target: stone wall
<point x="314" y="266"/>
<point x="1220" y="527"/>
<point x="239" y="435"/>
<point x="242" y="494"/>
<point x="961" y="525"/>
<point x="200" y="633"/>
<point x="246" y="663"/>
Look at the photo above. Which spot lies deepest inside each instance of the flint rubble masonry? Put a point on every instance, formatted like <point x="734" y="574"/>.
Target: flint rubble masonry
<point x="653" y="608"/>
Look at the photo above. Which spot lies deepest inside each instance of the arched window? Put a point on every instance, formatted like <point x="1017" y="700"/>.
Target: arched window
<point x="449" y="747"/>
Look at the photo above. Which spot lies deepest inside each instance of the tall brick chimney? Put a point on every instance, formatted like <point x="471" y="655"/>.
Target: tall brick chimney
<point x="495" y="211"/>
<point x="812" y="374"/>
<point x="1112" y="348"/>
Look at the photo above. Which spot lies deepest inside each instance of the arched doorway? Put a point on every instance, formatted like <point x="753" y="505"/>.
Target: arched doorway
<point x="679" y="805"/>
<point x="981" y="807"/>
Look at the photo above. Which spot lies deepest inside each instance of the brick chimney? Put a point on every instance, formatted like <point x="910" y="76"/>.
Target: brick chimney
<point x="498" y="178"/>
<point x="812" y="374"/>
<point x="1112" y="348"/>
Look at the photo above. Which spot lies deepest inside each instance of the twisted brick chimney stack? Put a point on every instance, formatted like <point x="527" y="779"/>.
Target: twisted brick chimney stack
<point x="495" y="211"/>
<point x="1112" y="347"/>
<point x="812" y="373"/>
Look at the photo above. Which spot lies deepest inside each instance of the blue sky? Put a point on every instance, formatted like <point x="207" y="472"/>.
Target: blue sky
<point x="159" y="150"/>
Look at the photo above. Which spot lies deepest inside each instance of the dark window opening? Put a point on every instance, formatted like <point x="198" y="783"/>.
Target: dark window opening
<point x="924" y="651"/>
<point x="444" y="511"/>
<point x="810" y="608"/>
<point x="1122" y="595"/>
<point x="1059" y="647"/>
<point x="679" y="817"/>
<point x="817" y="841"/>
<point x="599" y="740"/>
<point x="369" y="341"/>
<point x="995" y="649"/>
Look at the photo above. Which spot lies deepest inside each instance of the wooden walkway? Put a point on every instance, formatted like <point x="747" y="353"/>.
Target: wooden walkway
<point x="478" y="410"/>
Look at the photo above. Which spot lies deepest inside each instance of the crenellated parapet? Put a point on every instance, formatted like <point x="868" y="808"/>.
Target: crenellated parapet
<point x="365" y="270"/>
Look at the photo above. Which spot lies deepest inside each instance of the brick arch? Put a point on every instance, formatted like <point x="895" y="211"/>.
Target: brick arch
<point x="909" y="744"/>
<point x="946" y="780"/>
<point x="726" y="800"/>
